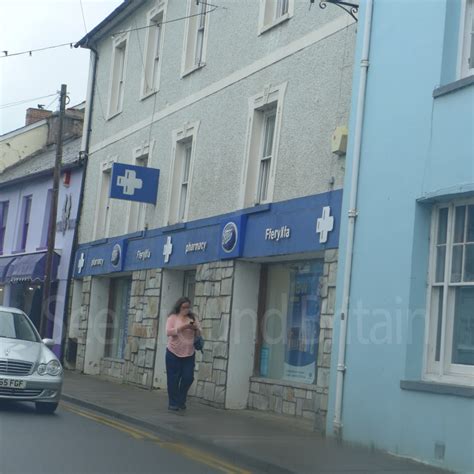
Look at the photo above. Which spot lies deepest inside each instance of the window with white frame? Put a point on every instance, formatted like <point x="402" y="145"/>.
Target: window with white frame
<point x="450" y="344"/>
<point x="262" y="146"/>
<point x="153" y="51"/>
<point x="102" y="213"/>
<point x="117" y="79"/>
<point x="195" y="42"/>
<point x="181" y="172"/>
<point x="274" y="12"/>
<point x="137" y="214"/>
<point x="467" y="40"/>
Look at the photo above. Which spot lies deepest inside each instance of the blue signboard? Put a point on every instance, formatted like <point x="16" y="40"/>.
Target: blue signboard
<point x="134" y="183"/>
<point x="232" y="236"/>
<point x="308" y="224"/>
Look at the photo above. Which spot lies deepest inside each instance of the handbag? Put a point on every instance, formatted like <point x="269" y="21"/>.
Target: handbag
<point x="199" y="343"/>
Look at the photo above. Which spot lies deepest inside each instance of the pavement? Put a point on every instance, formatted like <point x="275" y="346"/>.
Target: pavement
<point x="258" y="440"/>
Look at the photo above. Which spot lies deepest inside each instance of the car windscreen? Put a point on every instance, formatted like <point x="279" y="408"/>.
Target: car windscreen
<point x="17" y="326"/>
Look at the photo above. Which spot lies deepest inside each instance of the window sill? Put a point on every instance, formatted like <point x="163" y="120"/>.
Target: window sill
<point x="453" y="86"/>
<point x="286" y="383"/>
<point x="16" y="252"/>
<point x="275" y="23"/>
<point x="148" y="94"/>
<point x="188" y="72"/>
<point x="437" y="388"/>
<point x="110" y="117"/>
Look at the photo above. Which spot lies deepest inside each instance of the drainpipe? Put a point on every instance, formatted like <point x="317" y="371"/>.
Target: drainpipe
<point x="84" y="158"/>
<point x="341" y="364"/>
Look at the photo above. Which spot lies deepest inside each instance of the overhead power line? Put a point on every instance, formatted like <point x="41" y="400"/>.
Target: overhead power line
<point x="25" y="101"/>
<point x="6" y="54"/>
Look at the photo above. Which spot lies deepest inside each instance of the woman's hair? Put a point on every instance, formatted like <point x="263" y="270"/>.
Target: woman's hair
<point x="179" y="303"/>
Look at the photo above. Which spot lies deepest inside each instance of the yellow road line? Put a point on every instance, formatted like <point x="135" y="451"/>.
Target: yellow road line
<point x="178" y="448"/>
<point x="203" y="457"/>
<point x="136" y="433"/>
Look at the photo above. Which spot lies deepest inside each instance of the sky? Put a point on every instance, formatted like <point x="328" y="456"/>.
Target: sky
<point x="33" y="24"/>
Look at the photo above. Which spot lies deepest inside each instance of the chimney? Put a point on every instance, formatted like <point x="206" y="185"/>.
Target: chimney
<point x="35" y="115"/>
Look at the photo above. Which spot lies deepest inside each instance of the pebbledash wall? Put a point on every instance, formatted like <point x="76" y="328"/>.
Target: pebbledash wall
<point x="304" y="64"/>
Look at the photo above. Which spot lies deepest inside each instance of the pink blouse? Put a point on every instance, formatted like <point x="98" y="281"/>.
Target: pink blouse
<point x="180" y="343"/>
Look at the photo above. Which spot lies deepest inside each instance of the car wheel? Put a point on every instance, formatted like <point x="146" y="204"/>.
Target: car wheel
<point x="46" y="407"/>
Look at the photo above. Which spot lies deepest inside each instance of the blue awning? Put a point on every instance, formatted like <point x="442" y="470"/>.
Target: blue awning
<point x="30" y="267"/>
<point x="4" y="264"/>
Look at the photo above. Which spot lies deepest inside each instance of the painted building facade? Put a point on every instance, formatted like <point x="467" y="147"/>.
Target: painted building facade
<point x="236" y="107"/>
<point x="25" y="214"/>
<point x="409" y="353"/>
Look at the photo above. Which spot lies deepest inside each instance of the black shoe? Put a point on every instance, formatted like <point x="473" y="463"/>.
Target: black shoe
<point x="182" y="407"/>
<point x="172" y="408"/>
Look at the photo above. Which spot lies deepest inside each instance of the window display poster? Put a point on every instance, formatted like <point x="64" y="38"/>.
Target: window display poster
<point x="303" y="323"/>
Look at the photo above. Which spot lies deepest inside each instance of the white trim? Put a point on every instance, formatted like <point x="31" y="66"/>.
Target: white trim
<point x="301" y="44"/>
<point x="427" y="361"/>
<point x="117" y="41"/>
<point x="264" y="27"/>
<point x="467" y="13"/>
<point x="105" y="166"/>
<point x="159" y="9"/>
<point x="270" y="95"/>
<point x="188" y="130"/>
<point x="445" y="370"/>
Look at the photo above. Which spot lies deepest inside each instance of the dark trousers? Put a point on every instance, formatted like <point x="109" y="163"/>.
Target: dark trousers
<point x="180" y="376"/>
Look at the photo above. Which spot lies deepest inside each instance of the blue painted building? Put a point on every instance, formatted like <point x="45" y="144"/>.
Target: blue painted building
<point x="402" y="369"/>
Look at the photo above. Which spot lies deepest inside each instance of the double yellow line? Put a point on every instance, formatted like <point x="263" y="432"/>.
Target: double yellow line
<point x="178" y="448"/>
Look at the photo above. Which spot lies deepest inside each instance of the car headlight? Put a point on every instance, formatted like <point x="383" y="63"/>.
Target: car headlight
<point x="53" y="368"/>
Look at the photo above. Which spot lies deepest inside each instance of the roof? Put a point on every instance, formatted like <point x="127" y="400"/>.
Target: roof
<point x="120" y="12"/>
<point x="41" y="162"/>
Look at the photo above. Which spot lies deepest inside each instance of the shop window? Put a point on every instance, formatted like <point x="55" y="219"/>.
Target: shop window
<point x="450" y="328"/>
<point x="189" y="284"/>
<point x="290" y="321"/>
<point x="117" y="318"/>
<point x="3" y="223"/>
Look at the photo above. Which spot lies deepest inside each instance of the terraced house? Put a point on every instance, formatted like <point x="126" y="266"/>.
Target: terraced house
<point x="243" y="108"/>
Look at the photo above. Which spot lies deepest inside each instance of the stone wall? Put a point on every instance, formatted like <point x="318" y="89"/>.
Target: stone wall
<point x="83" y="322"/>
<point x="140" y="350"/>
<point x="308" y="401"/>
<point x="212" y="302"/>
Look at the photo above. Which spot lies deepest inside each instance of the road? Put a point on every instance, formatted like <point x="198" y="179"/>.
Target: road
<point x="75" y="440"/>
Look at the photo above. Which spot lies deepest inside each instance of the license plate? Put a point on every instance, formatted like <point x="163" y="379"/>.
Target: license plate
<point x="12" y="383"/>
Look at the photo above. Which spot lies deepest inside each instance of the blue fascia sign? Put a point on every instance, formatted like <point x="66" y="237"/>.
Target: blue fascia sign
<point x="308" y="224"/>
<point x="134" y="183"/>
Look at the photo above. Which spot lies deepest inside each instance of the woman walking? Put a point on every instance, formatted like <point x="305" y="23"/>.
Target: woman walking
<point x="181" y="328"/>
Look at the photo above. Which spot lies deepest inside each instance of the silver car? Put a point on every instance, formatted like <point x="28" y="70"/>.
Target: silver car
<point x="29" y="371"/>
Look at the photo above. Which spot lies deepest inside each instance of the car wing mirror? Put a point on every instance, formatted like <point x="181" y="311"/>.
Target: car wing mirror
<point x="48" y="342"/>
